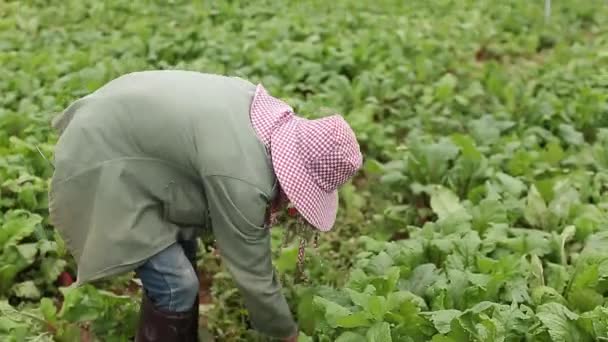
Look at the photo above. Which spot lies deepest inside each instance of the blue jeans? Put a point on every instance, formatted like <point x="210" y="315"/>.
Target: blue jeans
<point x="169" y="279"/>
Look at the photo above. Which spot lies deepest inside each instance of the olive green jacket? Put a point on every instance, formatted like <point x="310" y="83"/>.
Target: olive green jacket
<point x="152" y="152"/>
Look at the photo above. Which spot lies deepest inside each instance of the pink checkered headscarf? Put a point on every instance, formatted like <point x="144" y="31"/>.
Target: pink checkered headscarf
<point x="311" y="158"/>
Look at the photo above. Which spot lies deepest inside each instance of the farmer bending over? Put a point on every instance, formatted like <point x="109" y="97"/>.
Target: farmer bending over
<point x="153" y="156"/>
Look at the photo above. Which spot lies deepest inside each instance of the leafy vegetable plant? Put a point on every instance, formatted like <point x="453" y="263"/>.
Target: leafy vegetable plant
<point x="480" y="214"/>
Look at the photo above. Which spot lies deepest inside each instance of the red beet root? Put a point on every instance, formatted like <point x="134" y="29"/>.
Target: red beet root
<point x="65" y="279"/>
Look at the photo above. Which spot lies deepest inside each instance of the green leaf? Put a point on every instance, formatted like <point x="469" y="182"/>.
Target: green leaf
<point x="595" y="322"/>
<point x="396" y="299"/>
<point x="361" y="299"/>
<point x="7" y="274"/>
<point x="20" y="324"/>
<point x="357" y="280"/>
<point x="51" y="268"/>
<point x="104" y="312"/>
<point x="48" y="309"/>
<point x="349" y="336"/>
<point x="546" y="188"/>
<point x="553" y="153"/>
<point x="516" y="319"/>
<point x="26" y="289"/>
<point x="442" y="319"/>
<point x="465" y="251"/>
<point x="557" y="276"/>
<point x="481" y="307"/>
<point x="567" y="234"/>
<point x="529" y="241"/>
<point x="467" y="146"/>
<point x="333" y="311"/>
<point x="589" y="272"/>
<point x="428" y="163"/>
<point x="47" y="247"/>
<point x="373" y="167"/>
<point x="18" y="225"/>
<point x="459" y="282"/>
<point x="485" y="129"/>
<point x="379" y="332"/>
<point x="559" y="322"/>
<point x="287" y="260"/>
<point x="61" y="247"/>
<point x="516" y="290"/>
<point x="302" y="337"/>
<point x="537" y="277"/>
<point x="81" y="304"/>
<point x="421" y="278"/>
<point x="536" y="211"/>
<point x="442" y="338"/>
<point x="596" y="244"/>
<point x="562" y="205"/>
<point x="409" y="320"/>
<point x="355" y="320"/>
<point x="488" y="212"/>
<point x="392" y="278"/>
<point x="521" y="163"/>
<point x="377" y="307"/>
<point x="393" y="177"/>
<point x="544" y="294"/>
<point x="28" y="252"/>
<point x="372" y="245"/>
<point x="588" y="219"/>
<point x="380" y="263"/>
<point x="585" y="298"/>
<point x="446" y="204"/>
<point x="475" y="325"/>
<point x="571" y="135"/>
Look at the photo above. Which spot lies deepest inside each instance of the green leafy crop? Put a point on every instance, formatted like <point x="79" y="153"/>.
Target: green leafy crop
<point x="481" y="212"/>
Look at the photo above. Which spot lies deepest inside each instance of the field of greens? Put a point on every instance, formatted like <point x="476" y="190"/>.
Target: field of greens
<point x="481" y="213"/>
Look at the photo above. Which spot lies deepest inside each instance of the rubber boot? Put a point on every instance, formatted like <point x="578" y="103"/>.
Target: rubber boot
<point x="195" y="320"/>
<point x="156" y="325"/>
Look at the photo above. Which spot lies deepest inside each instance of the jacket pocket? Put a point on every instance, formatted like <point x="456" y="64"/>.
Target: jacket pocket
<point x="247" y="230"/>
<point x="252" y="231"/>
<point x="185" y="205"/>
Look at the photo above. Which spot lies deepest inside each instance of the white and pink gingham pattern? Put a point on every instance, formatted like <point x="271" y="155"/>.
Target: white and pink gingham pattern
<point x="266" y="113"/>
<point x="311" y="158"/>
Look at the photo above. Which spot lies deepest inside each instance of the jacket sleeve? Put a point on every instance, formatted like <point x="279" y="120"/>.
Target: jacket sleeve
<point x="237" y="212"/>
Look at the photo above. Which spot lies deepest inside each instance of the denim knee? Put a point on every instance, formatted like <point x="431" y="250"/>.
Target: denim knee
<point x="170" y="280"/>
<point x="184" y="291"/>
